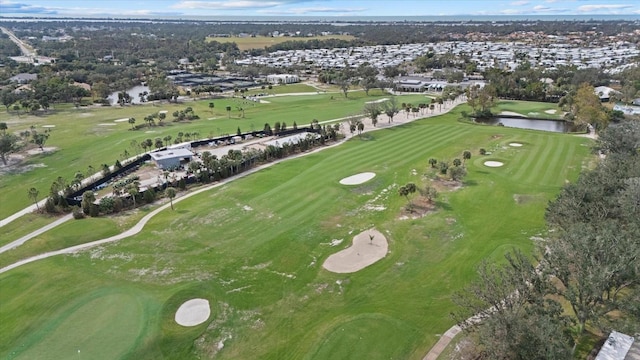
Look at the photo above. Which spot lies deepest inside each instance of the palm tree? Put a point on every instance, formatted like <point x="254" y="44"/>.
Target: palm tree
<point x="466" y="155"/>
<point x="171" y="193"/>
<point x="457" y="162"/>
<point x="229" y="112"/>
<point x="166" y="140"/>
<point x="211" y="106"/>
<point x="33" y="195"/>
<point x="134" y="190"/>
<point x="407" y="190"/>
<point x="433" y="162"/>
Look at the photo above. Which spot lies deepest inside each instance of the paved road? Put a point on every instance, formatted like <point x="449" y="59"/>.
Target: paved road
<point x="26" y="50"/>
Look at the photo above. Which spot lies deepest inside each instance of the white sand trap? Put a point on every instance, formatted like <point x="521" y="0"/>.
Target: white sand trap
<point x="358" y="179"/>
<point x="163" y="111"/>
<point x="551" y="111"/>
<point x="265" y="102"/>
<point x="193" y="312"/>
<point x="121" y="120"/>
<point x="377" y="101"/>
<point x="48" y="126"/>
<point x="363" y="252"/>
<point x="514" y="144"/>
<point x="107" y="124"/>
<point x="493" y="163"/>
<point x="510" y="113"/>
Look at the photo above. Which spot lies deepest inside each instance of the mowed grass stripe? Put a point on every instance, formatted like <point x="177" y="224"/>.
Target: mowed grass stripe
<point x="415" y="143"/>
<point x="555" y="162"/>
<point x="526" y="155"/>
<point x="533" y="164"/>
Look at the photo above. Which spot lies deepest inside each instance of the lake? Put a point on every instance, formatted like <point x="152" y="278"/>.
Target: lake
<point x="528" y="123"/>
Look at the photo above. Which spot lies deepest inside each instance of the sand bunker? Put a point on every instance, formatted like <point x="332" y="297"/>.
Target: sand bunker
<point x="193" y="312"/>
<point x="48" y="126"/>
<point x="510" y="113"/>
<point x="551" y="111"/>
<point x="377" y="101"/>
<point x="358" y="178"/>
<point x="514" y="144"/>
<point x="493" y="163"/>
<point x="368" y="247"/>
<point x="163" y="111"/>
<point x="106" y="124"/>
<point x="121" y="120"/>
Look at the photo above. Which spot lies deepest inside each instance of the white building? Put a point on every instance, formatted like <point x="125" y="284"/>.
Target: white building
<point x="282" y="79"/>
<point x="172" y="158"/>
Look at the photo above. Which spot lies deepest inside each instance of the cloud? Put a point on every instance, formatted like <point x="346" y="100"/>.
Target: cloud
<point x="602" y="7"/>
<point x="233" y="4"/>
<point x="519" y="3"/>
<point x="311" y="10"/>
<point x="18" y="8"/>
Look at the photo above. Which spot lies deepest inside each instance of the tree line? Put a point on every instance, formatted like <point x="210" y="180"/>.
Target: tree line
<point x="589" y="262"/>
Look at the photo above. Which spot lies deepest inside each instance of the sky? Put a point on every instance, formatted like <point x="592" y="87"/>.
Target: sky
<point x="324" y="8"/>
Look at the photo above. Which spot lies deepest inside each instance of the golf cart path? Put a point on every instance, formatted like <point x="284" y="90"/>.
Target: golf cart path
<point x="434" y="352"/>
<point x="399" y="119"/>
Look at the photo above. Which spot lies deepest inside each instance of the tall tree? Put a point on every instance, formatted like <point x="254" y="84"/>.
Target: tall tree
<point x="372" y="111"/>
<point x="8" y="144"/>
<point x="391" y="108"/>
<point x="588" y="109"/>
<point x="33" y="195"/>
<point x="171" y="193"/>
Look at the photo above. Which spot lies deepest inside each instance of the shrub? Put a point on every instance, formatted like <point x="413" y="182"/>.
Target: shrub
<point x="457" y="173"/>
<point x="483" y="151"/>
<point x="94" y="210"/>
<point x="50" y="205"/>
<point x="77" y="213"/>
<point x="444" y="166"/>
<point x="149" y="196"/>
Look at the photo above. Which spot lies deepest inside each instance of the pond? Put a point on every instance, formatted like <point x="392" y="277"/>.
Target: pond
<point x="529" y="123"/>
<point x="133" y="92"/>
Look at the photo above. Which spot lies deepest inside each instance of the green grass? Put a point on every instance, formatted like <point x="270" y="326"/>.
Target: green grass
<point x="529" y="108"/>
<point x="82" y="139"/>
<point x="261" y="268"/>
<point x="283" y="89"/>
<point x="260" y="42"/>
<point x="23" y="226"/>
<point x="103" y="325"/>
<point x="71" y="233"/>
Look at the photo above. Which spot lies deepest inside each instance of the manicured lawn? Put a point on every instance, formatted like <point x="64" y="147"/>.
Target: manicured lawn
<point x="73" y="232"/>
<point x="255" y="247"/>
<point x="260" y="42"/>
<point x="90" y="137"/>
<point x="283" y="89"/>
<point x="530" y="109"/>
<point x="23" y="226"/>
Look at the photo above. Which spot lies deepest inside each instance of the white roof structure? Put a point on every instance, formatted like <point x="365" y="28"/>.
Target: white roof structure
<point x="616" y="347"/>
<point x="293" y="139"/>
<point x="171" y="154"/>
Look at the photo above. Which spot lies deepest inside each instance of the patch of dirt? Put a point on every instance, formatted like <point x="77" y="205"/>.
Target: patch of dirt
<point x="444" y="185"/>
<point x="496" y="136"/>
<point x="419" y="207"/>
<point x="45" y="150"/>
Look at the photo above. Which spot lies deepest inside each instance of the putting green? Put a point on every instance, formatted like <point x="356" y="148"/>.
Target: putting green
<point x="365" y="336"/>
<point x="97" y="327"/>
